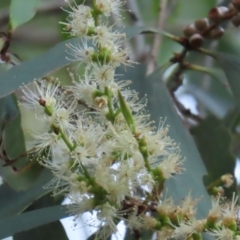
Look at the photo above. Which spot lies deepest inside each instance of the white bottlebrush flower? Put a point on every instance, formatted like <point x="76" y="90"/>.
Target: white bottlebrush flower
<point x="159" y="143"/>
<point x="188" y="206"/>
<point x="83" y="89"/>
<point x="105" y="36"/>
<point x="187" y="228"/>
<point x="88" y="133"/>
<point x="171" y="165"/>
<point x="215" y="211"/>
<point x="166" y="233"/>
<point x="103" y="75"/>
<point x="146" y="180"/>
<point x="134" y="220"/>
<point x="63" y="116"/>
<point x="107" y="216"/>
<point x="41" y="93"/>
<point x="132" y="100"/>
<point x="42" y="141"/>
<point x="79" y="20"/>
<point x="80" y="204"/>
<point x="230" y="211"/>
<point x="80" y="52"/>
<point x="117" y="188"/>
<point x="227" y="180"/>
<point x="60" y="170"/>
<point x="123" y="143"/>
<point x="119" y="56"/>
<point x="222" y="234"/>
<point x="166" y="207"/>
<point x="108" y="6"/>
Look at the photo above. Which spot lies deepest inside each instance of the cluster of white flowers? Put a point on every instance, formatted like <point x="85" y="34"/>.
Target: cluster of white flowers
<point x="108" y="158"/>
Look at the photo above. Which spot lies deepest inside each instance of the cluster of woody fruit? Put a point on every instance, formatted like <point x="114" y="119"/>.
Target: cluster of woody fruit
<point x="210" y="28"/>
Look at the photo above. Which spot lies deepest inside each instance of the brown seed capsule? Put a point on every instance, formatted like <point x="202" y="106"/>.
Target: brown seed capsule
<point x="196" y="40"/>
<point x="190" y="30"/>
<point x="236" y="21"/>
<point x="218" y="13"/>
<point x="231" y="7"/>
<point x="236" y="4"/>
<point x="201" y="24"/>
<point x="216" y="33"/>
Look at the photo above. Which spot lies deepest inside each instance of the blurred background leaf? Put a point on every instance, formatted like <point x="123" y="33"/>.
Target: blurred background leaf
<point x="15" y="167"/>
<point x="53" y="230"/>
<point x="32" y="219"/>
<point x="12" y="202"/>
<point x="213" y="140"/>
<point x="20" y="12"/>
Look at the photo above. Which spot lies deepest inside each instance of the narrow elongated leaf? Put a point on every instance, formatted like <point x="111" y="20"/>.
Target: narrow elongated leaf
<point x="29" y="220"/>
<point x="36" y="68"/>
<point x="49" y="231"/>
<point x="231" y="66"/>
<point x="214" y="140"/>
<point x="22" y="173"/>
<point x="12" y="202"/>
<point x="22" y="11"/>
<point x="53" y="230"/>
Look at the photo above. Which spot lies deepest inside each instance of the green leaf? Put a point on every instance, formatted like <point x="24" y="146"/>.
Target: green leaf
<point x="22" y="173"/>
<point x="160" y="104"/>
<point x="231" y="66"/>
<point x="36" y="68"/>
<point x="12" y="202"/>
<point x="29" y="220"/>
<point x="50" y="231"/>
<point x="53" y="230"/>
<point x="214" y="141"/>
<point x="22" y="11"/>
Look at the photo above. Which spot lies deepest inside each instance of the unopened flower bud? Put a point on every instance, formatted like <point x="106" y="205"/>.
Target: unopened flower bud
<point x="236" y="21"/>
<point x="100" y="102"/>
<point x="236" y="4"/>
<point x="190" y="30"/>
<point x="216" y="33"/>
<point x="227" y="180"/>
<point x="201" y="24"/>
<point x="196" y="40"/>
<point x="218" y="13"/>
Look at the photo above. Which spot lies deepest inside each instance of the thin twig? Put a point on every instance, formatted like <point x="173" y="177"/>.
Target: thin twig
<point x="184" y="111"/>
<point x="171" y="7"/>
<point x="135" y="17"/>
<point x="158" y="37"/>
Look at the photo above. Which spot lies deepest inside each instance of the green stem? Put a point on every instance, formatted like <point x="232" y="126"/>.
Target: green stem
<point x="198" y="68"/>
<point x="110" y="106"/>
<point x="147" y="164"/>
<point x="214" y="184"/>
<point x="95" y="13"/>
<point x="66" y="140"/>
<point x="49" y="111"/>
<point x="206" y="52"/>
